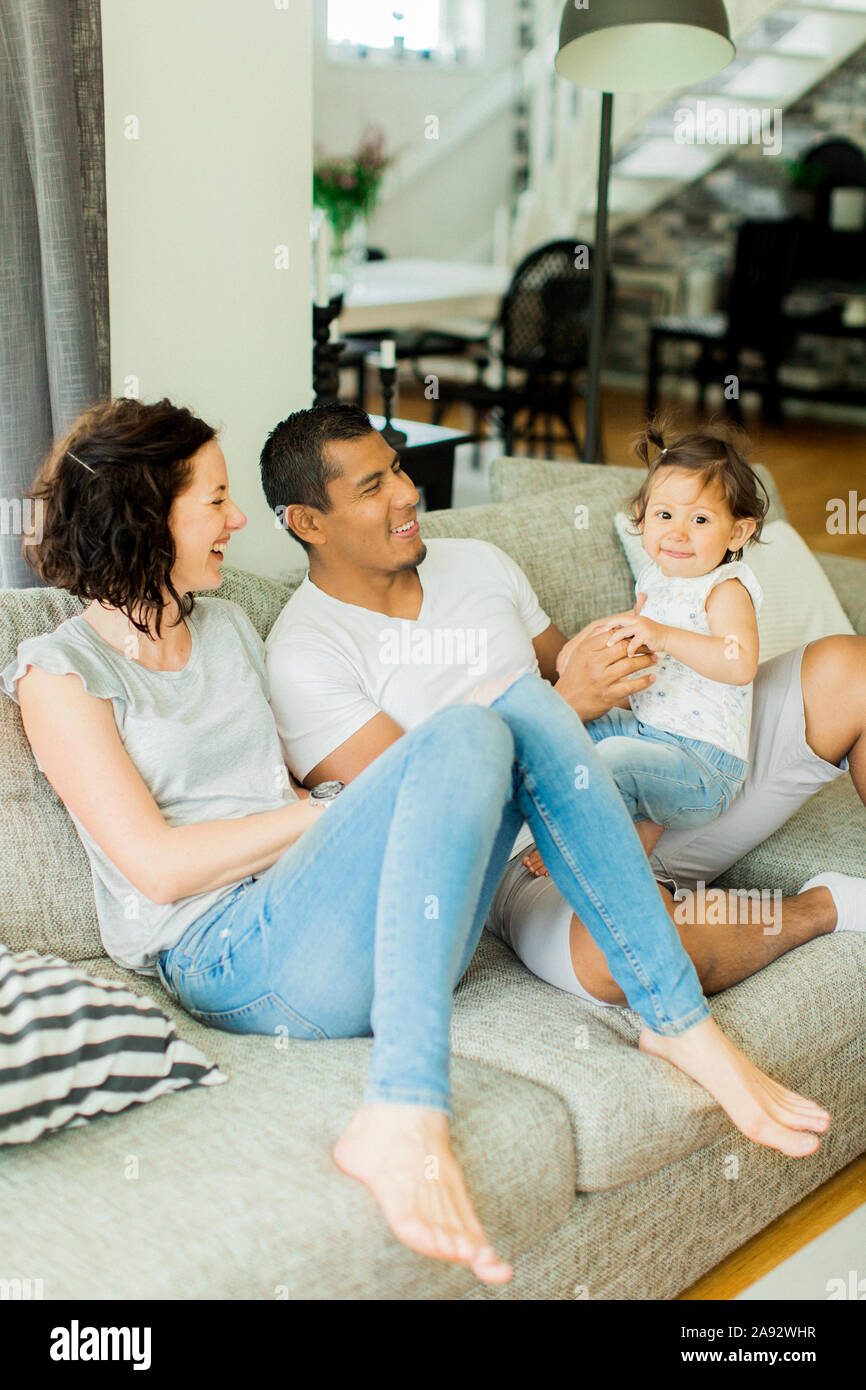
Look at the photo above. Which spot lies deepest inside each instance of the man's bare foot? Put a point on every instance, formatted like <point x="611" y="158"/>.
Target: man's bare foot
<point x="649" y="834"/>
<point x="403" y="1154"/>
<point x="761" y="1108"/>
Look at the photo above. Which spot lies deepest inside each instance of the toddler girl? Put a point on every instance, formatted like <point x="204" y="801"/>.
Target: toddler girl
<point x="679" y="755"/>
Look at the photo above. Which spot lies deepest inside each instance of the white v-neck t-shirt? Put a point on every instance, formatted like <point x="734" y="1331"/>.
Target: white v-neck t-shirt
<point x="332" y="666"/>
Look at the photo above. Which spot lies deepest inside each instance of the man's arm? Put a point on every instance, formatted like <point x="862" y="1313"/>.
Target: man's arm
<point x="349" y="760"/>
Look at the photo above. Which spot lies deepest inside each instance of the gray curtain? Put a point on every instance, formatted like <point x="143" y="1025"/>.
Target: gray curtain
<point x="53" y="273"/>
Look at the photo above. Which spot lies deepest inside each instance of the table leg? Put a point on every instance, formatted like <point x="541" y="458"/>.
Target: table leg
<point x="435" y="475"/>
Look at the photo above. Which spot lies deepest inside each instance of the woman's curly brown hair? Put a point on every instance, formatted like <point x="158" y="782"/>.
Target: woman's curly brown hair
<point x="716" y="453"/>
<point x="104" y="493"/>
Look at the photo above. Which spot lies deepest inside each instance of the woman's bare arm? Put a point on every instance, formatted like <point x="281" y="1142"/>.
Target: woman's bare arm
<point x="74" y="736"/>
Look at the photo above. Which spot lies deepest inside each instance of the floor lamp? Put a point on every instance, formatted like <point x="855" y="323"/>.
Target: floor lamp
<point x="632" y="46"/>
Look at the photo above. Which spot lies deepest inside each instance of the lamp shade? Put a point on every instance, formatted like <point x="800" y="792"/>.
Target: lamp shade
<point x="643" y="45"/>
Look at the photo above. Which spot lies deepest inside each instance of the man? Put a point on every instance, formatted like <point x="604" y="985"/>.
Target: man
<point x="384" y="631"/>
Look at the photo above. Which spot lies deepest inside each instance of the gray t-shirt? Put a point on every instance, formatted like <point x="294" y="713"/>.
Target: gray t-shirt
<point x="203" y="739"/>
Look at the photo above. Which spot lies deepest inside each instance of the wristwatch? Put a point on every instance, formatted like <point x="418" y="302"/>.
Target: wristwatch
<point x="326" y="792"/>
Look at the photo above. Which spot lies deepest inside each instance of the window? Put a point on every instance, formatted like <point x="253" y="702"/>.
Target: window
<point x="413" y="24"/>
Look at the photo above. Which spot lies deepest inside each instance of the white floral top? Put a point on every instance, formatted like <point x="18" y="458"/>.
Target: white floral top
<point x="681" y="701"/>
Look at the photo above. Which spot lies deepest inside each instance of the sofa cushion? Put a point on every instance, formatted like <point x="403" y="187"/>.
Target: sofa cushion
<point x="46" y="894"/>
<point x="611" y="486"/>
<point x="233" y="1193"/>
<point x="848" y="577"/>
<point x="73" y="1048"/>
<point x="829" y="832"/>
<point x="632" y="1114"/>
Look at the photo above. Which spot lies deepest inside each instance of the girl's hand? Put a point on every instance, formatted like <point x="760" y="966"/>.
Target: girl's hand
<point x="593" y="629"/>
<point x="638" y="632"/>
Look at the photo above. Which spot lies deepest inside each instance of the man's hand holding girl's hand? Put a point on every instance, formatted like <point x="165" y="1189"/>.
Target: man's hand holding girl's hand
<point x="640" y="633"/>
<point x="595" y="674"/>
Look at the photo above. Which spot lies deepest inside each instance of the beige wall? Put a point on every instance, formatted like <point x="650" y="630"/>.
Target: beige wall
<point x="218" y="177"/>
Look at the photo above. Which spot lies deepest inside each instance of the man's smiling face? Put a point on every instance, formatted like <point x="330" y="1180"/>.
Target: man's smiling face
<point x="372" y="522"/>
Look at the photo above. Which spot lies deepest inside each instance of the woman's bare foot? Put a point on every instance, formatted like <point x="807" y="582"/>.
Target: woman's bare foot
<point x="761" y="1108"/>
<point x="403" y="1154"/>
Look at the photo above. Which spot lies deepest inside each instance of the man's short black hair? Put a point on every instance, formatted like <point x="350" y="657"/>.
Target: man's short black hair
<point x="295" y="466"/>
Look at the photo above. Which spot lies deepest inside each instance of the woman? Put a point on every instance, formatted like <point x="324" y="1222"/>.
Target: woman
<point x="261" y="911"/>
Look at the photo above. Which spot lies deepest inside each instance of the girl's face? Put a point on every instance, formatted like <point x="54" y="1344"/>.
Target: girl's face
<point x="688" y="525"/>
<point x="202" y="519"/>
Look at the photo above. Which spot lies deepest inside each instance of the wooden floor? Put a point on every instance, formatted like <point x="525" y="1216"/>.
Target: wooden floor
<point x="813" y="461"/>
<point x="785" y="1236"/>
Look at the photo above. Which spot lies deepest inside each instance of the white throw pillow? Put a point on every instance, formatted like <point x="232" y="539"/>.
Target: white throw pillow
<point x="799" y="603"/>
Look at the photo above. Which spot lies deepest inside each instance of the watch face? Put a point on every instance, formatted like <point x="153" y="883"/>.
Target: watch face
<point x="326" y="791"/>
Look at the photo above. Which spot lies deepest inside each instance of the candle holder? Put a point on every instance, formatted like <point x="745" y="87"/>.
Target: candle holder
<point x="327" y="352"/>
<point x="395" y="438"/>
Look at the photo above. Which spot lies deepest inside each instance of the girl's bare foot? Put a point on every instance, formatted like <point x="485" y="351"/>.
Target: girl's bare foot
<point x="761" y="1108"/>
<point x="535" y="864"/>
<point x="403" y="1154"/>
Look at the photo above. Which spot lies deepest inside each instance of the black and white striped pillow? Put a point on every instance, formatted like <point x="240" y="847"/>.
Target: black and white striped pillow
<point x="73" y="1048"/>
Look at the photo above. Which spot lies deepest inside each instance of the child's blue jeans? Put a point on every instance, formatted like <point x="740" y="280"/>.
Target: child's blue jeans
<point x="677" y="782"/>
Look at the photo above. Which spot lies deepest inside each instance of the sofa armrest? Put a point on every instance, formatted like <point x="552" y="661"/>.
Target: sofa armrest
<point x="848" y="577"/>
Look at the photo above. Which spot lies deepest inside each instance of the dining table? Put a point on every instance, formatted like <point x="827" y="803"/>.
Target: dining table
<point x="407" y="293"/>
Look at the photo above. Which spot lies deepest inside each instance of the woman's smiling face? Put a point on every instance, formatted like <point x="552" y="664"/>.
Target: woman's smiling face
<point x="201" y="520"/>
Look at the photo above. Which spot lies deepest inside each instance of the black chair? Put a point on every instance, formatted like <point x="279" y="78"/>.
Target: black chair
<point x="828" y="253"/>
<point x="542" y="333"/>
<point x="766" y="266"/>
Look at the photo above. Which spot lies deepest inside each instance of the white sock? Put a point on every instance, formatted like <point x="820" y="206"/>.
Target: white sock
<point x="849" y="895"/>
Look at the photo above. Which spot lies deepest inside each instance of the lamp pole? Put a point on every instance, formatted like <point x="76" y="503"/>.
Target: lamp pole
<point x="632" y="46"/>
<point x="599" y="286"/>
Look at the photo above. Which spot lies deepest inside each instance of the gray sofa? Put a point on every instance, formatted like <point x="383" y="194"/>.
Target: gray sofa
<point x="599" y="1172"/>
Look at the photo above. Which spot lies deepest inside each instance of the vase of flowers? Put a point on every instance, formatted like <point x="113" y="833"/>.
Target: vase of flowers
<point x="347" y="188"/>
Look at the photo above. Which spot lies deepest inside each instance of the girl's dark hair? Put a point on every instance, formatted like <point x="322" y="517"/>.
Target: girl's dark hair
<point x="716" y="454"/>
<point x="104" y="494"/>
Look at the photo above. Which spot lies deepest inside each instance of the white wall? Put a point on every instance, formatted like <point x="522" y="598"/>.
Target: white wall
<point x="219" y="176"/>
<point x="451" y="207"/>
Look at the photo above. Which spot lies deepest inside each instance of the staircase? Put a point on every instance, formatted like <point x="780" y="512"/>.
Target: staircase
<point x="783" y="50"/>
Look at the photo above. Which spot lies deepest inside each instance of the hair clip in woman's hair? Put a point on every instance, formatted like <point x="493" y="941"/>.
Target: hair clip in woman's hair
<point x="81" y="461"/>
<point x="664" y="451"/>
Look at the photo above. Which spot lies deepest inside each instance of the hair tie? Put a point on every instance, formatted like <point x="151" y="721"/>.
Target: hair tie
<point x="664" y="451"/>
<point x="81" y="461"/>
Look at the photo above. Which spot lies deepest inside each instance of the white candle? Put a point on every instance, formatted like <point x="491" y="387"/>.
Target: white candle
<point x="387" y="353"/>
<point x="323" y="254"/>
<point x="847" y="207"/>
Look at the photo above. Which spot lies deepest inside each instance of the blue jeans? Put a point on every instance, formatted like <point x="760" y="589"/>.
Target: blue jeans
<point x="368" y="921"/>
<point x="676" y="782"/>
